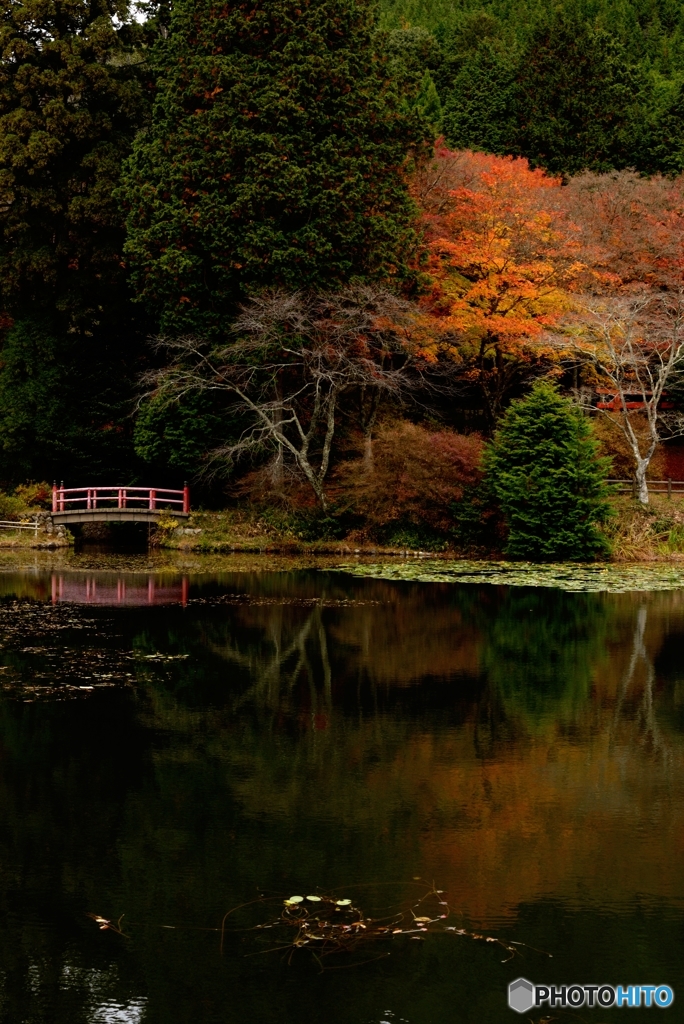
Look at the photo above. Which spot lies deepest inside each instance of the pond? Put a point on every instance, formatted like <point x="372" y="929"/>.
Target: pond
<point x="180" y="740"/>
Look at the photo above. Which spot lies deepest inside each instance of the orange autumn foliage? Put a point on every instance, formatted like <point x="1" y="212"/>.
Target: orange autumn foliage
<point x="502" y="254"/>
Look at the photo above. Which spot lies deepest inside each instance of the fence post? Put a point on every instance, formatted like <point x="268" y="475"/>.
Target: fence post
<point x="669" y="488"/>
<point x="186" y="497"/>
<point x="153" y="500"/>
<point x="54" y="496"/>
<point x="61" y="496"/>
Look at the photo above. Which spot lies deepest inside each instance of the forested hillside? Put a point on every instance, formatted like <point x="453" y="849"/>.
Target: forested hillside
<point x="284" y="246"/>
<point x="571" y="86"/>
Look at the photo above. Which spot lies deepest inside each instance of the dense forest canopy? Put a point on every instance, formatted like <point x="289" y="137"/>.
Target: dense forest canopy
<point x="437" y="204"/>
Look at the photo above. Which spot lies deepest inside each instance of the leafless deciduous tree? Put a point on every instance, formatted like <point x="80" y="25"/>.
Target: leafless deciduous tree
<point x="290" y="359"/>
<point x="635" y="345"/>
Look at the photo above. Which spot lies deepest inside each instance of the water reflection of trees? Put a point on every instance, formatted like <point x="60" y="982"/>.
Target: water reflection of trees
<point x="528" y="657"/>
<point x="511" y="745"/>
<point x="520" y="766"/>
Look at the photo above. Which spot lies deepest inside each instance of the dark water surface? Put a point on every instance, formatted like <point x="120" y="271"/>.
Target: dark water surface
<point x="173" y="746"/>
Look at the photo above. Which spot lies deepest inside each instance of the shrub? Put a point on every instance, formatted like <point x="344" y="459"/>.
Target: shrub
<point x="417" y="475"/>
<point x="544" y="467"/>
<point x="35" y="495"/>
<point x="11" y="507"/>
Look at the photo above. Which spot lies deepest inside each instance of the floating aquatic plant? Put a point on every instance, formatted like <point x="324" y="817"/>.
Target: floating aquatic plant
<point x="592" y="578"/>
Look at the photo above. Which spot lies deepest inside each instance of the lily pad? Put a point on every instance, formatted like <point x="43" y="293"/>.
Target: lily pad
<point x="343" y="903"/>
<point x="295" y="899"/>
<point x="314" y="899"/>
<point x="585" y="578"/>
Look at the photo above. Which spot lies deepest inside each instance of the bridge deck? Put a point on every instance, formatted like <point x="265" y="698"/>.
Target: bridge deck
<point x="114" y="515"/>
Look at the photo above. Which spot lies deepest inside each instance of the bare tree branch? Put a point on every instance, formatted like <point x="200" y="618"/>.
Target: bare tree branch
<point x="635" y="345"/>
<point x="290" y="359"/>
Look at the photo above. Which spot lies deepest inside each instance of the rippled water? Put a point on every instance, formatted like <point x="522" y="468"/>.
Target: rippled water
<point x="175" y="743"/>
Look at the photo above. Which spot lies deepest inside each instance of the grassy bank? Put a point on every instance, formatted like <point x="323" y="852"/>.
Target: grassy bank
<point x="654" y="533"/>
<point x="264" y="531"/>
<point x="27" y="539"/>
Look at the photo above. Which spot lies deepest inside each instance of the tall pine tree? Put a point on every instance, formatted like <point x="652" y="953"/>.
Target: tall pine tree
<point x="274" y="158"/>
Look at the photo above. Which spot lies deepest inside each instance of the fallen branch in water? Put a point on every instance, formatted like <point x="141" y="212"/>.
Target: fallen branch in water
<point x="106" y="925"/>
<point x="327" y="925"/>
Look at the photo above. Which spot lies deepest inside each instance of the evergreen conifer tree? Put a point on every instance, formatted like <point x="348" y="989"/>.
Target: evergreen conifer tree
<point x="274" y="158"/>
<point x="580" y="100"/>
<point x="70" y="104"/>
<point x="427" y="104"/>
<point x="543" y="465"/>
<point x="71" y="100"/>
<point x="479" y="110"/>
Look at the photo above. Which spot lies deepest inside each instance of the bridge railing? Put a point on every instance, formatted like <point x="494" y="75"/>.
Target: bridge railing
<point x="83" y="499"/>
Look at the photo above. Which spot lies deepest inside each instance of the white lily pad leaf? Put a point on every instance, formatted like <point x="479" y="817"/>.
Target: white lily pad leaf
<point x="295" y="899"/>
<point x="314" y="899"/>
<point x="343" y="903"/>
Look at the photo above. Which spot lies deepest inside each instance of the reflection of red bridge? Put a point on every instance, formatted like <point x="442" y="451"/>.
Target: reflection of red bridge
<point x="117" y="504"/>
<point x="105" y="589"/>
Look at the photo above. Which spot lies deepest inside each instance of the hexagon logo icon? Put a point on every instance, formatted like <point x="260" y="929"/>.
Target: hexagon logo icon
<point x="521" y="995"/>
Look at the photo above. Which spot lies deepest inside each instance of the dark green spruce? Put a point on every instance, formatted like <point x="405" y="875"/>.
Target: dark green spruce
<point x="543" y="465"/>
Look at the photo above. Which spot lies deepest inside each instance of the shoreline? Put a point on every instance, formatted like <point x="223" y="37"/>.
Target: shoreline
<point x="637" y="534"/>
<point x="27" y="540"/>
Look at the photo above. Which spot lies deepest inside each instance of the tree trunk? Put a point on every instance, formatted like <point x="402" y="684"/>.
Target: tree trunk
<point x="368" y="452"/>
<point x="367" y="418"/>
<point x="641" y="485"/>
<point x="277" y="466"/>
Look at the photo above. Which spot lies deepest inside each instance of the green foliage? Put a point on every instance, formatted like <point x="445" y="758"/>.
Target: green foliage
<point x="413" y="54"/>
<point x="301" y="184"/>
<point x="580" y="99"/>
<point x="586" y="85"/>
<point x="12" y="507"/>
<point x="413" y="537"/>
<point x="480" y="109"/>
<point x="177" y="435"/>
<point x="71" y="101"/>
<point x="61" y="412"/>
<point x="544" y="468"/>
<point x="35" y="495"/>
<point x="70" y="104"/>
<point x="478" y="522"/>
<point x="662" y="148"/>
<point x="427" y="103"/>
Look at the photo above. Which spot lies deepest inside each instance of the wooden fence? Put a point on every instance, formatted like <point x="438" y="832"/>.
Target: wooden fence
<point x="6" y="524"/>
<point x="668" y="487"/>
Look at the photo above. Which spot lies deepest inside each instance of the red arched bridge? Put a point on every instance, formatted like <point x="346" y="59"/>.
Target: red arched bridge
<point x="118" y="504"/>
